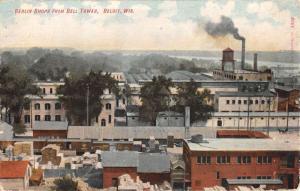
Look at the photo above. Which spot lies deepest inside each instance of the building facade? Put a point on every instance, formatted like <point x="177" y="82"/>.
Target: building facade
<point x="222" y="161"/>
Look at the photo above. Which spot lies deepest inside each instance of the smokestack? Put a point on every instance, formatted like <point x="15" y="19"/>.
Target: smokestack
<point x="243" y="54"/>
<point x="255" y="62"/>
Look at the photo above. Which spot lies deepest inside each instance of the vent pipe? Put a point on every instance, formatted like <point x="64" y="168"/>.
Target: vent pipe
<point x="255" y="62"/>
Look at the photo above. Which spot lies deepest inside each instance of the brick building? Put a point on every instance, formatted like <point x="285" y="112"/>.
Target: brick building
<point x="231" y="162"/>
<point x="288" y="98"/>
<point x="150" y="167"/>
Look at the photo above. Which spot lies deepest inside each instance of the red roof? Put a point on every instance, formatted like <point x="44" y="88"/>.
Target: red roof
<point x="13" y="169"/>
<point x="240" y="134"/>
<point x="228" y="50"/>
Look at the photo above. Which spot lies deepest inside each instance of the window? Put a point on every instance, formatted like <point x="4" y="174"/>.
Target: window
<point x="37" y="117"/>
<point x="103" y="122"/>
<point x="244" y="177"/>
<point x="218" y="175"/>
<point x="47" y="118"/>
<point x="37" y="106"/>
<point x="262" y="101"/>
<point x="108" y="106"/>
<point x="240" y="102"/>
<point x="244" y="159"/>
<point x="250" y="101"/>
<point x="124" y="101"/>
<point x="203" y="159"/>
<point x="27" y="118"/>
<point x="269" y="101"/>
<point x="219" y="123"/>
<point x="223" y="159"/>
<point x="57" y="106"/>
<point x="57" y="118"/>
<point x="51" y="91"/>
<point x="44" y="91"/>
<point x="262" y="118"/>
<point x="264" y="159"/>
<point x="264" y="177"/>
<point x="26" y="106"/>
<point x="256" y="101"/>
<point x="233" y="102"/>
<point x="227" y="101"/>
<point x="47" y="106"/>
<point x="245" y="101"/>
<point x="109" y="119"/>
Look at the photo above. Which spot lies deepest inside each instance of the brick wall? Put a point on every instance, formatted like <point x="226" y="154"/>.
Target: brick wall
<point x="109" y="173"/>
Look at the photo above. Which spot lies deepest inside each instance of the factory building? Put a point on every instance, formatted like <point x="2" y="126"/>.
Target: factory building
<point x="230" y="162"/>
<point x="229" y="70"/>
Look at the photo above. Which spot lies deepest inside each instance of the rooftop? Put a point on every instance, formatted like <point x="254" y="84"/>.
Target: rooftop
<point x="144" y="162"/>
<point x="6" y="131"/>
<point x="13" y="169"/>
<point x="243" y="144"/>
<point x="50" y="125"/>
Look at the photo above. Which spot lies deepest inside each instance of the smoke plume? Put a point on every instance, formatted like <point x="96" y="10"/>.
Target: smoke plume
<point x="223" y="28"/>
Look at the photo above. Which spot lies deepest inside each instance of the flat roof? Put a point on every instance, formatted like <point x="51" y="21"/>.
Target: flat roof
<point x="243" y="144"/>
<point x="244" y="94"/>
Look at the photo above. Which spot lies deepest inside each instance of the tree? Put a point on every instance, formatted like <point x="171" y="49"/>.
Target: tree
<point x="188" y="95"/>
<point x="15" y="84"/>
<point x="155" y="97"/>
<point x="65" y="184"/>
<point x="75" y="91"/>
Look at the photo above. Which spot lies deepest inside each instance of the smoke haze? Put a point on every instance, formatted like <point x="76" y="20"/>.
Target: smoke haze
<point x="223" y="28"/>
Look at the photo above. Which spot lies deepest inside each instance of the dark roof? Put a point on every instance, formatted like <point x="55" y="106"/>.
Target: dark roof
<point x="228" y="50"/>
<point x="153" y="163"/>
<point x="186" y="75"/>
<point x="119" y="159"/>
<point x="50" y="125"/>
<point x="144" y="162"/>
<point x="253" y="181"/>
<point x="284" y="88"/>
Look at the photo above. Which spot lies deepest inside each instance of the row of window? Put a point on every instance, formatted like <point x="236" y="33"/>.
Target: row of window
<point x="246" y="102"/>
<point x="37" y="106"/>
<point x="258" y="177"/>
<point x="225" y="159"/>
<point x="38" y="118"/>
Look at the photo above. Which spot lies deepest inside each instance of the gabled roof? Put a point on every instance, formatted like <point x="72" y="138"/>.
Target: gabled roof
<point x="153" y="163"/>
<point x="13" y="169"/>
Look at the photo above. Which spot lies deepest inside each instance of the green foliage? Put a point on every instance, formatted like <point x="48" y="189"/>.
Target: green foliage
<point x="75" y="94"/>
<point x="14" y="85"/>
<point x="65" y="184"/>
<point x="155" y="98"/>
<point x="19" y="128"/>
<point x="188" y="95"/>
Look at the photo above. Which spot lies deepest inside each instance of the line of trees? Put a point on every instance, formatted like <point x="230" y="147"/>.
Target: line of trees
<point x="75" y="92"/>
<point x="156" y="96"/>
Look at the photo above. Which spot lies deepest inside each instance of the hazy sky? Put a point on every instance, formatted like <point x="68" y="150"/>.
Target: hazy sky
<point x="155" y="25"/>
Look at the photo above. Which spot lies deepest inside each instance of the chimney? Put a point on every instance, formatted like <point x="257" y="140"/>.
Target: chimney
<point x="187" y="117"/>
<point x="255" y="62"/>
<point x="243" y="54"/>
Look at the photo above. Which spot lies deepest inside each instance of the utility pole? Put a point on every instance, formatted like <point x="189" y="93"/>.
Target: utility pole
<point x="87" y="104"/>
<point x="248" y="113"/>
<point x="268" y="126"/>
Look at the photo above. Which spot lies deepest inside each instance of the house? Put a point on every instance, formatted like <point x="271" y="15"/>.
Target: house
<point x="44" y="107"/>
<point x="15" y="174"/>
<point x="230" y="162"/>
<point x="150" y="167"/>
<point x="50" y="129"/>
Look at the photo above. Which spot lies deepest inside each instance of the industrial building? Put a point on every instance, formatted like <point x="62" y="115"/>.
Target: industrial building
<point x="230" y="162"/>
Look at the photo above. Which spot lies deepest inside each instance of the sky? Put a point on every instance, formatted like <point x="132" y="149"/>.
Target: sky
<point x="153" y="25"/>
